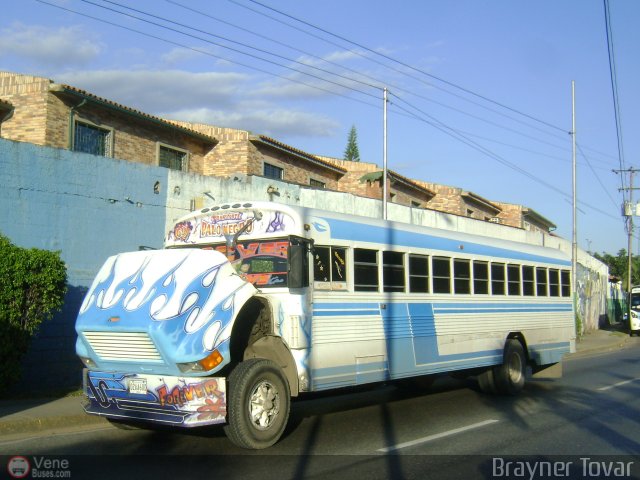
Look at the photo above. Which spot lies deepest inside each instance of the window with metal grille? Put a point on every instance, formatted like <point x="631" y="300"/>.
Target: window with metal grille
<point x="92" y="139"/>
<point x="172" y="158"/>
<point x="271" y="171"/>
<point x="317" y="183"/>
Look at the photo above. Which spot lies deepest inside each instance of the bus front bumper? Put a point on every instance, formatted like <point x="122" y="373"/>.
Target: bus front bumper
<point x="172" y="400"/>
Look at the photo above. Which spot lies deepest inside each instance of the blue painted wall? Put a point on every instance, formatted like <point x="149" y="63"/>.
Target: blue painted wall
<point x="88" y="208"/>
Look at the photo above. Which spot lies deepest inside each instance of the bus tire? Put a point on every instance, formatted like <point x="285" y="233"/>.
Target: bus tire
<point x="258" y="404"/>
<point x="510" y="376"/>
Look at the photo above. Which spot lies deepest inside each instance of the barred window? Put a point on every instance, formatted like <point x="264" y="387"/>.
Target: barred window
<point x="172" y="158"/>
<point x="92" y="139"/>
<point x="271" y="171"/>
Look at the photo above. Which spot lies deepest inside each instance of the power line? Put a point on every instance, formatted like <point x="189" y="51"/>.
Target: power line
<point x="406" y="65"/>
<point x="231" y="48"/>
<point x="204" y="52"/>
<point x="462" y="138"/>
<point x="614" y="91"/>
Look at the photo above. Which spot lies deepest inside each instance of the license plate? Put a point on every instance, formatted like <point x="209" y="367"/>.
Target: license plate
<point x="138" y="385"/>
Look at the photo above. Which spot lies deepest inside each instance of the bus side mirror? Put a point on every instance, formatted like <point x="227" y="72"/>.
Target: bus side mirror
<point x="298" y="266"/>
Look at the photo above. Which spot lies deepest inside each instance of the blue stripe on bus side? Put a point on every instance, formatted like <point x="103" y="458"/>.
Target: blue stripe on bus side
<point x="412" y="347"/>
<point x="345" y="230"/>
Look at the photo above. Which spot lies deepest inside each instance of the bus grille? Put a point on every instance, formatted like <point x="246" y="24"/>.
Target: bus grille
<point x="123" y="346"/>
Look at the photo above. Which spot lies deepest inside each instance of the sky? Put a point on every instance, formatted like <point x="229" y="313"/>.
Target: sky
<point x="479" y="92"/>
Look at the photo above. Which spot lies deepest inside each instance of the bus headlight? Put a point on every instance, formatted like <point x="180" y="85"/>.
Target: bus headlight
<point x="209" y="362"/>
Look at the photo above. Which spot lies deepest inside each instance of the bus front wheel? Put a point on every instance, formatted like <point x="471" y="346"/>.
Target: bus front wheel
<point x="258" y="402"/>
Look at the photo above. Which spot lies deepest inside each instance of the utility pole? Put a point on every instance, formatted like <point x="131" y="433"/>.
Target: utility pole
<point x="574" y="240"/>
<point x="384" y="155"/>
<point x="628" y="211"/>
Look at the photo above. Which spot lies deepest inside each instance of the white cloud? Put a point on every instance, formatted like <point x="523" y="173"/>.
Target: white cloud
<point x="56" y="47"/>
<point x="276" y="122"/>
<point x="159" y="91"/>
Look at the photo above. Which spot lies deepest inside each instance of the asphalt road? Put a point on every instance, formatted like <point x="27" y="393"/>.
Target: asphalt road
<point x="450" y="431"/>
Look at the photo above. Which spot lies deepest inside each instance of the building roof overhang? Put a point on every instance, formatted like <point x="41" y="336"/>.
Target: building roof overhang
<point x="73" y="92"/>
<point x="478" y="200"/>
<point x="399" y="179"/>
<point x="272" y="143"/>
<point x="536" y="217"/>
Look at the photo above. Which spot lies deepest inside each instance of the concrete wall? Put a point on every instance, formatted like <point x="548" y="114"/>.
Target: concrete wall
<point x="91" y="207"/>
<point x="75" y="203"/>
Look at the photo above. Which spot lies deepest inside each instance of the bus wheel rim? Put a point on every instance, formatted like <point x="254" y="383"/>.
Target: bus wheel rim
<point x="264" y="405"/>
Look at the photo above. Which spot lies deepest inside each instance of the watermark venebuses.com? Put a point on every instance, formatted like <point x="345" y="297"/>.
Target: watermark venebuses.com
<point x="38" y="467"/>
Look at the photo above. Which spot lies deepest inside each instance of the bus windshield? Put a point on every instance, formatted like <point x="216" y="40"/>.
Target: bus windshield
<point x="261" y="262"/>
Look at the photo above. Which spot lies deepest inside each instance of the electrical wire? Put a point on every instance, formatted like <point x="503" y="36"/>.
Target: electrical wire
<point x="614" y="91"/>
<point x="231" y="48"/>
<point x="462" y="138"/>
<point x="204" y="52"/>
<point x="406" y="65"/>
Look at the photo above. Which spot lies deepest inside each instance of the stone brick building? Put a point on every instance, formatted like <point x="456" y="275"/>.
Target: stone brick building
<point x="525" y="218"/>
<point x="241" y="153"/>
<point x="62" y="116"/>
<point x="461" y="202"/>
<point x="365" y="179"/>
<point x="39" y="111"/>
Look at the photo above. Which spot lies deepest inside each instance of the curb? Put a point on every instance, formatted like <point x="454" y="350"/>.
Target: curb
<point x="37" y="425"/>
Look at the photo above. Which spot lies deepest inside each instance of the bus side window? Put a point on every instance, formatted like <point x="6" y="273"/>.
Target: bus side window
<point x="554" y="283"/>
<point x="498" y="279"/>
<point x="441" y="267"/>
<point x="565" y="283"/>
<point x="527" y="281"/>
<point x="321" y="264"/>
<point x="329" y="268"/>
<point x="365" y="270"/>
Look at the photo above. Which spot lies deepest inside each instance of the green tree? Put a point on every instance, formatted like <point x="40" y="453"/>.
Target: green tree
<point x="618" y="266"/>
<point x="352" y="153"/>
<point x="33" y="286"/>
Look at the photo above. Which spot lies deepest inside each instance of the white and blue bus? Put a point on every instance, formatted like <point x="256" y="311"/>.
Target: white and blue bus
<point x="252" y="303"/>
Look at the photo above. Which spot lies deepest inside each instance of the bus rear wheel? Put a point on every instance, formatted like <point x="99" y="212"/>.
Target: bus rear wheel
<point x="258" y="404"/>
<point x="507" y="378"/>
<point x="510" y="376"/>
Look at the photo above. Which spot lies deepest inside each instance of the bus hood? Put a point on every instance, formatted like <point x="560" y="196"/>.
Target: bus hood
<point x="150" y="311"/>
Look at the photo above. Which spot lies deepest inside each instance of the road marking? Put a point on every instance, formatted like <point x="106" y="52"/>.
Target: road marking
<point x="437" y="436"/>
<point x="609" y="387"/>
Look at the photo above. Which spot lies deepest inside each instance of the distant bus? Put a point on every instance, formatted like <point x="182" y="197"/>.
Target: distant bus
<point x="252" y="303"/>
<point x="634" y="310"/>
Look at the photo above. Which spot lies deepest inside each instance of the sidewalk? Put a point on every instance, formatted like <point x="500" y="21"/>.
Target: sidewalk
<point x="21" y="416"/>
